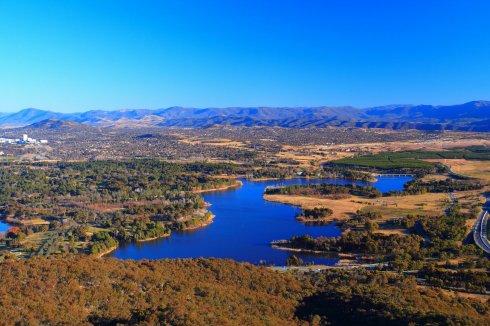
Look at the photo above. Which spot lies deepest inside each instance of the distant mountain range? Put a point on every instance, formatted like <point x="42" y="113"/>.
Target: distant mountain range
<point x="471" y="116"/>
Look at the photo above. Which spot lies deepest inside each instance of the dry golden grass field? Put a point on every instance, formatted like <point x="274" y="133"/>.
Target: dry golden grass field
<point x="470" y="168"/>
<point x="388" y="207"/>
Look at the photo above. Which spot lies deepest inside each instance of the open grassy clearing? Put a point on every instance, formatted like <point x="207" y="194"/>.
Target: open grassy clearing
<point x="212" y="142"/>
<point x="384" y="161"/>
<point x="470" y="168"/>
<point x="342" y="208"/>
<point x="34" y="221"/>
<point x="432" y="204"/>
<point x="430" y="145"/>
<point x="35" y="241"/>
<point x="433" y="177"/>
<point x="310" y="154"/>
<point x="307" y="154"/>
<point x="389" y="207"/>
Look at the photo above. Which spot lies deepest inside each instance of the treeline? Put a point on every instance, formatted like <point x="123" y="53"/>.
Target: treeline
<point x="412" y="161"/>
<point x="315" y="215"/>
<point x="430" y="237"/>
<point x="81" y="290"/>
<point x="389" y="247"/>
<point x="388" y="163"/>
<point x="439" y="186"/>
<point x="102" y="242"/>
<point x="470" y="280"/>
<point x="444" y="234"/>
<point x="130" y="201"/>
<point x="323" y="190"/>
<point x="106" y="181"/>
<point x="468" y="153"/>
<point x="347" y="172"/>
<point x="139" y="230"/>
<point x="359" y="297"/>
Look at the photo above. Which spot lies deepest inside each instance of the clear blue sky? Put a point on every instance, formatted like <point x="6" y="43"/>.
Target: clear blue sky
<point x="111" y="54"/>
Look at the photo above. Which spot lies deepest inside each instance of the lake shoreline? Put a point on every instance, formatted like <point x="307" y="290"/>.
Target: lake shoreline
<point x="154" y="238"/>
<point x="243" y="225"/>
<point x="108" y="251"/>
<point x="236" y="185"/>
<point x="199" y="226"/>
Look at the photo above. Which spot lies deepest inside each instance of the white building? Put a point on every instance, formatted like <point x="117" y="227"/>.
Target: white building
<point x="24" y="140"/>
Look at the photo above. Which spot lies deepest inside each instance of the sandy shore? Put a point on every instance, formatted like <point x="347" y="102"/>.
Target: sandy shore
<point x="108" y="251"/>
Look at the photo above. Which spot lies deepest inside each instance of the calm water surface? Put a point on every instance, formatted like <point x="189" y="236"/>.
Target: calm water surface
<point x="4" y="226"/>
<point x="244" y="225"/>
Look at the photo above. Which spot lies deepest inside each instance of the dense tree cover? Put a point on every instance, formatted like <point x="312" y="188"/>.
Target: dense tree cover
<point x="387" y="162"/>
<point x="294" y="260"/>
<point x="374" y="298"/>
<point x="80" y="290"/>
<point x="363" y="219"/>
<point x="432" y="237"/>
<point x="444" y="234"/>
<point x="323" y="190"/>
<point x="468" y="153"/>
<point x="346" y="172"/>
<point x="472" y="280"/>
<point x="315" y="215"/>
<point x="385" y="247"/>
<point x="106" y="181"/>
<point x="408" y="161"/>
<point x="437" y="186"/>
<point x="412" y="160"/>
<point x="102" y="242"/>
<point x="131" y="200"/>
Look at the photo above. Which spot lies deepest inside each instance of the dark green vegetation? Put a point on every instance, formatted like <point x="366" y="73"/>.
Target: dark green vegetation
<point x="444" y="235"/>
<point x="411" y="161"/>
<point x="481" y="153"/>
<point x="65" y="207"/>
<point x="438" y="249"/>
<point x="325" y="190"/>
<point x="429" y="239"/>
<point x="436" y="186"/>
<point x="473" y="280"/>
<point x="315" y="215"/>
<point x="80" y="290"/>
<point x="386" y="248"/>
<point x="102" y="242"/>
<point x="391" y="162"/>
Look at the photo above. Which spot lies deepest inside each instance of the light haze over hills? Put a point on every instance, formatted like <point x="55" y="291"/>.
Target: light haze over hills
<point x="471" y="116"/>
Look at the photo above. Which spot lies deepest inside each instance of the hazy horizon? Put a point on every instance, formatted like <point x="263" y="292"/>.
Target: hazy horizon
<point x="237" y="106"/>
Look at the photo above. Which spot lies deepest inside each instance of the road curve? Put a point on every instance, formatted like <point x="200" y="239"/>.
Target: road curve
<point x="480" y="229"/>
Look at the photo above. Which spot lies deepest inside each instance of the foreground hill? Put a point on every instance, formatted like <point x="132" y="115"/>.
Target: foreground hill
<point x="471" y="116"/>
<point x="81" y="290"/>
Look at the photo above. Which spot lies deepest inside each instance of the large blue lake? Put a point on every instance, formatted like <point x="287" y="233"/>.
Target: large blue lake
<point x="245" y="224"/>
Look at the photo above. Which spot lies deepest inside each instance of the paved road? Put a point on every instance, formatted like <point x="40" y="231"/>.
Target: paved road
<point x="480" y="228"/>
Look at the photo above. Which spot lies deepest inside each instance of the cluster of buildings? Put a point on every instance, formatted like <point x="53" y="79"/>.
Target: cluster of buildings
<point x="24" y="140"/>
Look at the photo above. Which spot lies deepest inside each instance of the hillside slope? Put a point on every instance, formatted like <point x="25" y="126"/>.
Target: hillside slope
<point x="471" y="116"/>
<point x="81" y="290"/>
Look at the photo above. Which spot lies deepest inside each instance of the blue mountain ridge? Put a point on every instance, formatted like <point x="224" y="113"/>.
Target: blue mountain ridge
<point x="471" y="116"/>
